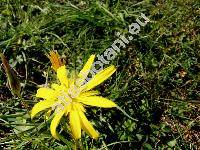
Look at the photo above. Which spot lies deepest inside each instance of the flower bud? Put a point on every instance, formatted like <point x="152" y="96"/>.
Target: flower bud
<point x="55" y="60"/>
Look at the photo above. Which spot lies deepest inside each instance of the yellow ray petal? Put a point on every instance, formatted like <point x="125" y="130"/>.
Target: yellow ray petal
<point x="58" y="88"/>
<point x="79" y="107"/>
<point x="68" y="109"/>
<point x="55" y="86"/>
<point x="75" y="123"/>
<point x="97" y="101"/>
<point x="84" y="72"/>
<point x="62" y="76"/>
<point x="100" y="77"/>
<point x="41" y="106"/>
<point x="46" y="93"/>
<point x="87" y="126"/>
<point x="89" y="93"/>
<point x="55" y="122"/>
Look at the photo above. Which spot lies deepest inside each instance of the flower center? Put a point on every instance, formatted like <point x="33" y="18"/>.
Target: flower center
<point x="65" y="98"/>
<point x="63" y="101"/>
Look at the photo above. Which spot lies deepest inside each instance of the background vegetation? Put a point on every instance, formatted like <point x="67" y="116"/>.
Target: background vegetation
<point x="157" y="80"/>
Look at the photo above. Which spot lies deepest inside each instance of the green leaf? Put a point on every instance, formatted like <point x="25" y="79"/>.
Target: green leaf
<point x="139" y="136"/>
<point x="172" y="143"/>
<point x="147" y="146"/>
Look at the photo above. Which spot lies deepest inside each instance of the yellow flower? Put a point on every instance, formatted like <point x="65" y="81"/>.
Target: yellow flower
<point x="55" y="60"/>
<point x="68" y="98"/>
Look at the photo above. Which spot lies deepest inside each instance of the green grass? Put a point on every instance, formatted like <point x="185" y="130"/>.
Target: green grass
<point x="150" y="84"/>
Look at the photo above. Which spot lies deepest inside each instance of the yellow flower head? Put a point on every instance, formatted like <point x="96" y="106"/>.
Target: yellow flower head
<point x="70" y="96"/>
<point x="55" y="60"/>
